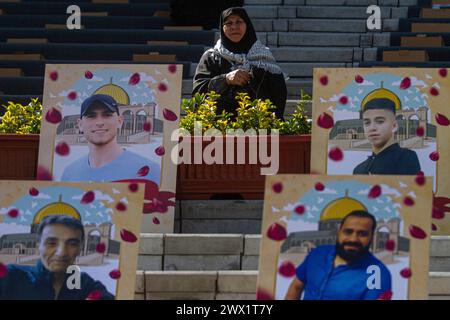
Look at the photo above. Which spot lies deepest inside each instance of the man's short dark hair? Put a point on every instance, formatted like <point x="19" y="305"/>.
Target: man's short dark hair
<point x="361" y="214"/>
<point x="64" y="220"/>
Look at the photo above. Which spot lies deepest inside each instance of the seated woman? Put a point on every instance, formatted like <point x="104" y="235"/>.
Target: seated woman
<point x="239" y="62"/>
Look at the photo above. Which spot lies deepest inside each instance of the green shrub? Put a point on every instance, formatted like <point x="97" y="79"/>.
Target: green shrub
<point x="22" y="119"/>
<point x="257" y="114"/>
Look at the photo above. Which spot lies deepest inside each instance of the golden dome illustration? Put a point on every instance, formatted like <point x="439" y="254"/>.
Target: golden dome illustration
<point x="113" y="90"/>
<point x="56" y="208"/>
<point x="339" y="208"/>
<point x="382" y="93"/>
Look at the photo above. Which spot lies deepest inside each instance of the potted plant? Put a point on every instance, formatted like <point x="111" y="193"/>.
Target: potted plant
<point x="19" y="140"/>
<point x="201" y="180"/>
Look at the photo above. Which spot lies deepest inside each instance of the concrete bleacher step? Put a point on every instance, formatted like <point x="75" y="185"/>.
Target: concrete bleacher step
<point x="203" y="252"/>
<point x="308" y="54"/>
<point x="353" y="3"/>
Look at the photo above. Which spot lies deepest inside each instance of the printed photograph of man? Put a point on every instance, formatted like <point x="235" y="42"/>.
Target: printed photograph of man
<point x="60" y="241"/>
<point x="378" y="111"/>
<point x="339" y="272"/>
<point x="99" y="122"/>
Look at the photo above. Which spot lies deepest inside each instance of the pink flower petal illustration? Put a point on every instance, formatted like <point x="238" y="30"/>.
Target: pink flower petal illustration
<point x="390" y="245"/>
<point x="33" y="192"/>
<point x="343" y="100"/>
<point x="94" y="295"/>
<point x="172" y="68"/>
<point x="434" y="91"/>
<point x="54" y="75"/>
<point x="115" y="274"/>
<point x="325" y="121"/>
<point x="336" y="154"/>
<point x="359" y="79"/>
<point x="142" y="172"/>
<point x="13" y="213"/>
<point x="88" y="197"/>
<point x="100" y="247"/>
<point x="276" y="232"/>
<point x="420" y="179"/>
<point x="147" y="126"/>
<point x="434" y="156"/>
<point x="263" y="295"/>
<point x="169" y="115"/>
<point x="156" y="220"/>
<point x="438" y="213"/>
<point x="433" y="227"/>
<point x="277" y="187"/>
<point x="441" y="119"/>
<point x="133" y="187"/>
<point x="405" y="84"/>
<point x="162" y="87"/>
<point x="88" y="75"/>
<point x="300" y="209"/>
<point x="417" y="232"/>
<point x="374" y="192"/>
<point x="420" y="131"/>
<point x="43" y="174"/>
<point x="121" y="206"/>
<point x="406" y="273"/>
<point x="160" y="151"/>
<point x="387" y="295"/>
<point x="3" y="270"/>
<point x="443" y="72"/>
<point x="127" y="236"/>
<point x="72" y="95"/>
<point x="134" y="79"/>
<point x="319" y="186"/>
<point x="62" y="149"/>
<point x="287" y="269"/>
<point x="408" y="201"/>
<point x="53" y="116"/>
<point x="323" y="80"/>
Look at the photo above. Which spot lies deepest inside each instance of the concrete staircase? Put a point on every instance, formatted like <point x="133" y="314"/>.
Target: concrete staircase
<point x="211" y="266"/>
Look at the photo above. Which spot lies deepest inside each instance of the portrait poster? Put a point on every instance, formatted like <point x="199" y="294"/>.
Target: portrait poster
<point x="347" y="131"/>
<point x="109" y="123"/>
<point x="306" y="218"/>
<point x="109" y="216"/>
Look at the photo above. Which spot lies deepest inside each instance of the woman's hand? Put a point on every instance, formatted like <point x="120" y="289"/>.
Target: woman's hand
<point x="238" y="77"/>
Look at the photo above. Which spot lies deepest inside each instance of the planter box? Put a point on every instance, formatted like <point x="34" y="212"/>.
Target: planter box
<point x="239" y="181"/>
<point x="18" y="156"/>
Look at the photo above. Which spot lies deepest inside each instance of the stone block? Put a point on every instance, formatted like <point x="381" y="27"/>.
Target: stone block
<point x="440" y="246"/>
<point x="287" y="12"/>
<point x="250" y="262"/>
<point x="245" y="226"/>
<point x="338" y="12"/>
<point x="236" y="296"/>
<point x="370" y="54"/>
<point x="265" y="12"/>
<point x="280" y="25"/>
<point x="202" y="262"/>
<point x="251" y="244"/>
<point x="381" y="39"/>
<point x="440" y="264"/>
<point x="390" y="25"/>
<point x="262" y="2"/>
<point x="272" y="39"/>
<point x="439" y="283"/>
<point x="306" y="69"/>
<point x="408" y="3"/>
<point x="262" y="25"/>
<point x="366" y="40"/>
<point x="221" y="209"/>
<point x="330" y="25"/>
<point x="357" y="54"/>
<point x="215" y="244"/>
<point x="318" y="39"/>
<point x="315" y="54"/>
<point x="180" y="281"/>
<point x="294" y="2"/>
<point x="262" y="36"/>
<point x="401" y="12"/>
<point x="388" y="3"/>
<point x="140" y="282"/>
<point x="236" y="281"/>
<point x="146" y="262"/>
<point x="151" y="244"/>
<point x="180" y="296"/>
